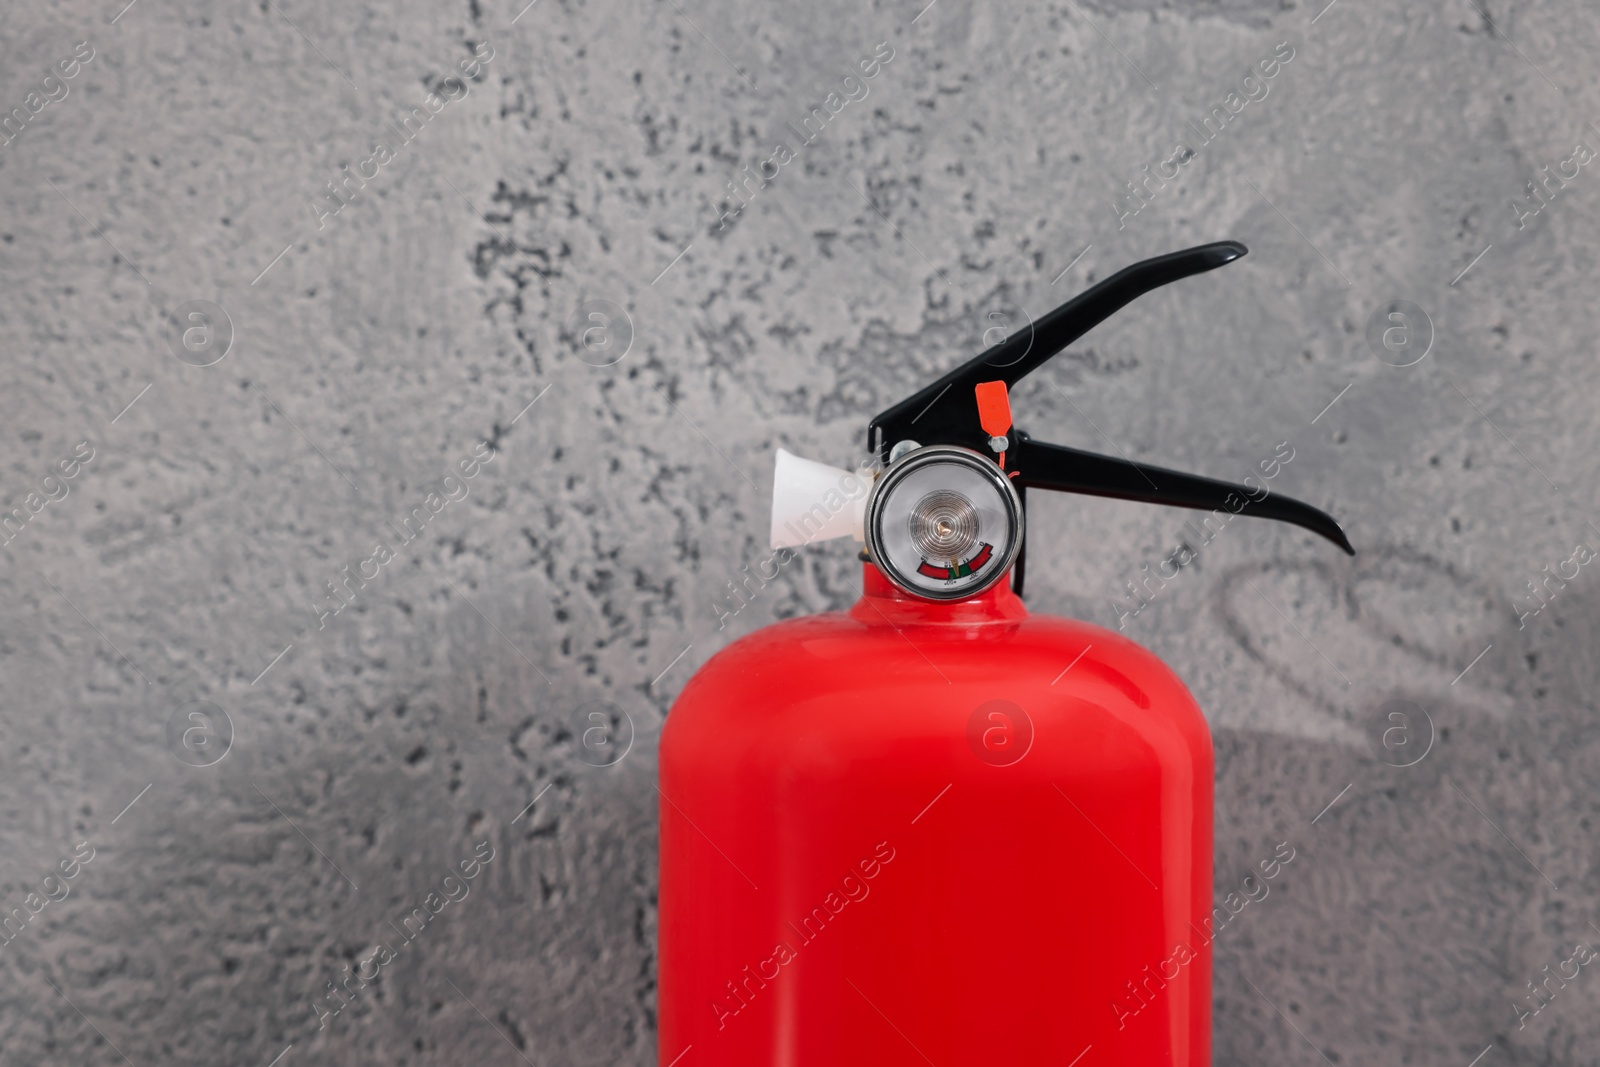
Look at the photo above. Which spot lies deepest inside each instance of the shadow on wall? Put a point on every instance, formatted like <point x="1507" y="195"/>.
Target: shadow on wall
<point x="1449" y="873"/>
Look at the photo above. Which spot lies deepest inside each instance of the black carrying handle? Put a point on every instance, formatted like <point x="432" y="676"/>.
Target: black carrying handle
<point x="946" y="412"/>
<point x="1071" y="470"/>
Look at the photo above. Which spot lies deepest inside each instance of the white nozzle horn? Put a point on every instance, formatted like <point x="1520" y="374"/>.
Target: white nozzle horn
<point x="815" y="502"/>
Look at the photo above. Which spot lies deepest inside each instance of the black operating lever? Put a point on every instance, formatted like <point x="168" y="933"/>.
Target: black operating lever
<point x="947" y="412"/>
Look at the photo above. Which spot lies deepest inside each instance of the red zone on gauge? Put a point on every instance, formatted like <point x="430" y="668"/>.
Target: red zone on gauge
<point x="960" y="570"/>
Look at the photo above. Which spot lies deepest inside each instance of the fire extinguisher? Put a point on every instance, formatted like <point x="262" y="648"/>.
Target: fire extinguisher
<point x="934" y="828"/>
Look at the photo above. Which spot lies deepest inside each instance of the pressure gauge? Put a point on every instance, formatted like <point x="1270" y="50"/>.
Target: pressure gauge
<point x="944" y="523"/>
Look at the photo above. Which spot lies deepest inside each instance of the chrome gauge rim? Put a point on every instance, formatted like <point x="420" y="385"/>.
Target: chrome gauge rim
<point x="944" y="523"/>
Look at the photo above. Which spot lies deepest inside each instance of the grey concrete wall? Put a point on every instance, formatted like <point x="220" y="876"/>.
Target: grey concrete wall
<point x="357" y="358"/>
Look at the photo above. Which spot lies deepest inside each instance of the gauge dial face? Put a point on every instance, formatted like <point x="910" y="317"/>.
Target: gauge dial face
<point x="944" y="523"/>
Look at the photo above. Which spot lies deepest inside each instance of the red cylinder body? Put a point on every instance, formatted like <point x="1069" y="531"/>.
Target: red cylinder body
<point x="917" y="833"/>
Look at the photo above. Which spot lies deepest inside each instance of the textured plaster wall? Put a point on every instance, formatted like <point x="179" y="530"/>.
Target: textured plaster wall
<point x="370" y="751"/>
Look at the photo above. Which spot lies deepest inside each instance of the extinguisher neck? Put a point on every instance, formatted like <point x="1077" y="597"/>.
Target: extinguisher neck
<point x="883" y="603"/>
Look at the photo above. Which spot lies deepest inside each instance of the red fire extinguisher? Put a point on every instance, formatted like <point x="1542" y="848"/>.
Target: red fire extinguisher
<point x="936" y="829"/>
